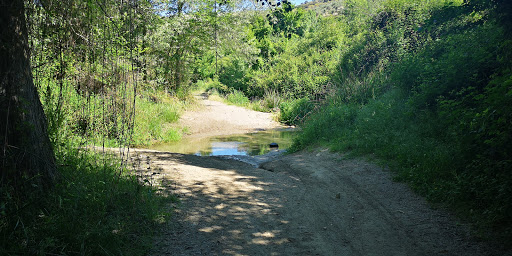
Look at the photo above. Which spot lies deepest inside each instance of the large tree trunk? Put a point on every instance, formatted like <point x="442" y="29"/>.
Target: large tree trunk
<point x="26" y="152"/>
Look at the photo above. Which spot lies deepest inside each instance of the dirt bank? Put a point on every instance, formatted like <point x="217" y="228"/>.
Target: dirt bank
<point x="307" y="203"/>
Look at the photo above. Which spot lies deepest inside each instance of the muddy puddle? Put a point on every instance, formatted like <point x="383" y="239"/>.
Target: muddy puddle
<point x="251" y="144"/>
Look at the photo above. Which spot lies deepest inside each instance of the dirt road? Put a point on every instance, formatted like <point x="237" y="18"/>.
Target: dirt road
<point x="214" y="118"/>
<point x="307" y="203"/>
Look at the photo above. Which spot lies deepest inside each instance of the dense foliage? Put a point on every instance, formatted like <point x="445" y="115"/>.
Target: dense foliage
<point x="425" y="86"/>
<point x="93" y="64"/>
<point x="103" y="68"/>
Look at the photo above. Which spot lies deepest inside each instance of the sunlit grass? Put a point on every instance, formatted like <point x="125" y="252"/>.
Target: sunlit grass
<point x="154" y="120"/>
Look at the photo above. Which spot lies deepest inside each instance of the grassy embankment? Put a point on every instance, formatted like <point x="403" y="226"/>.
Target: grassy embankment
<point x="423" y="86"/>
<point x="97" y="206"/>
<point x="86" y="77"/>
<point x="427" y="90"/>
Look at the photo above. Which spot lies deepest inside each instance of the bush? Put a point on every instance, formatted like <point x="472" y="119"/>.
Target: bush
<point x="433" y="103"/>
<point x="329" y="126"/>
<point x="293" y="112"/>
<point x="153" y="121"/>
<point x="237" y="98"/>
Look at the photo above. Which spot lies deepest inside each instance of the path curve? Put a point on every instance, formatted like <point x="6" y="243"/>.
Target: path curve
<point x="213" y="118"/>
<point x="307" y="203"/>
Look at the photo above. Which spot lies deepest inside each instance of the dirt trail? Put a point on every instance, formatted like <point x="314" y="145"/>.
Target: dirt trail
<point x="307" y="203"/>
<point x="214" y="118"/>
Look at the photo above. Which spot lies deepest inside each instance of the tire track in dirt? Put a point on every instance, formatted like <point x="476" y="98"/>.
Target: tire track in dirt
<point x="307" y="203"/>
<point x="369" y="214"/>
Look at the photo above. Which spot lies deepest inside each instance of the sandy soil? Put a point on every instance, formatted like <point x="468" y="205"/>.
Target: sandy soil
<point x="307" y="203"/>
<point x="214" y="118"/>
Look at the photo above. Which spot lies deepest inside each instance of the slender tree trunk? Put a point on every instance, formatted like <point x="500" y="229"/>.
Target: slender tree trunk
<point x="25" y="150"/>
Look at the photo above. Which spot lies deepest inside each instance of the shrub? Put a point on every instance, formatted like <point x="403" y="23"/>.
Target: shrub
<point x="153" y="121"/>
<point x="237" y="98"/>
<point x="293" y="112"/>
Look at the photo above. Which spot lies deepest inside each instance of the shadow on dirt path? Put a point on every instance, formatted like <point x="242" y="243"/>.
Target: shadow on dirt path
<point x="308" y="203"/>
<point x="227" y="208"/>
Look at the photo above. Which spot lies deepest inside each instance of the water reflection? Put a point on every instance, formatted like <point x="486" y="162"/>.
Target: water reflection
<point x="244" y="144"/>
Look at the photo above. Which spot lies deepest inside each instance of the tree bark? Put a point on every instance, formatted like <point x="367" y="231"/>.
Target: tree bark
<point x="26" y="151"/>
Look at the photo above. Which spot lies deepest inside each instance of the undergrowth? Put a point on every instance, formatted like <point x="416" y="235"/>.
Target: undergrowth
<point x="155" y="118"/>
<point x="96" y="208"/>
<point x="108" y="119"/>
<point x="427" y="91"/>
<point x="289" y="111"/>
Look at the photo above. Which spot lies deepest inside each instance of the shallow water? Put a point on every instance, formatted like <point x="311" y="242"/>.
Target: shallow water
<point x="233" y="145"/>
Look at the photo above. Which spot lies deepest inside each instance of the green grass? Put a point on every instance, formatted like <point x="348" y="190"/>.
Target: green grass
<point x="154" y="120"/>
<point x="107" y="119"/>
<point x="237" y="98"/>
<point x="419" y="153"/>
<point x="293" y="111"/>
<point x="96" y="208"/>
<point x="428" y="94"/>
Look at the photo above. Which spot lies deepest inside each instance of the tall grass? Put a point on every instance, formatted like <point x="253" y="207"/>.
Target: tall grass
<point x="154" y="120"/>
<point x="96" y="208"/>
<point x="427" y="91"/>
<point x="108" y="119"/>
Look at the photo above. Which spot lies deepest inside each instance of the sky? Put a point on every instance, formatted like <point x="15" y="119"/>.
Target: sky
<point x="297" y="2"/>
<point x="255" y="2"/>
